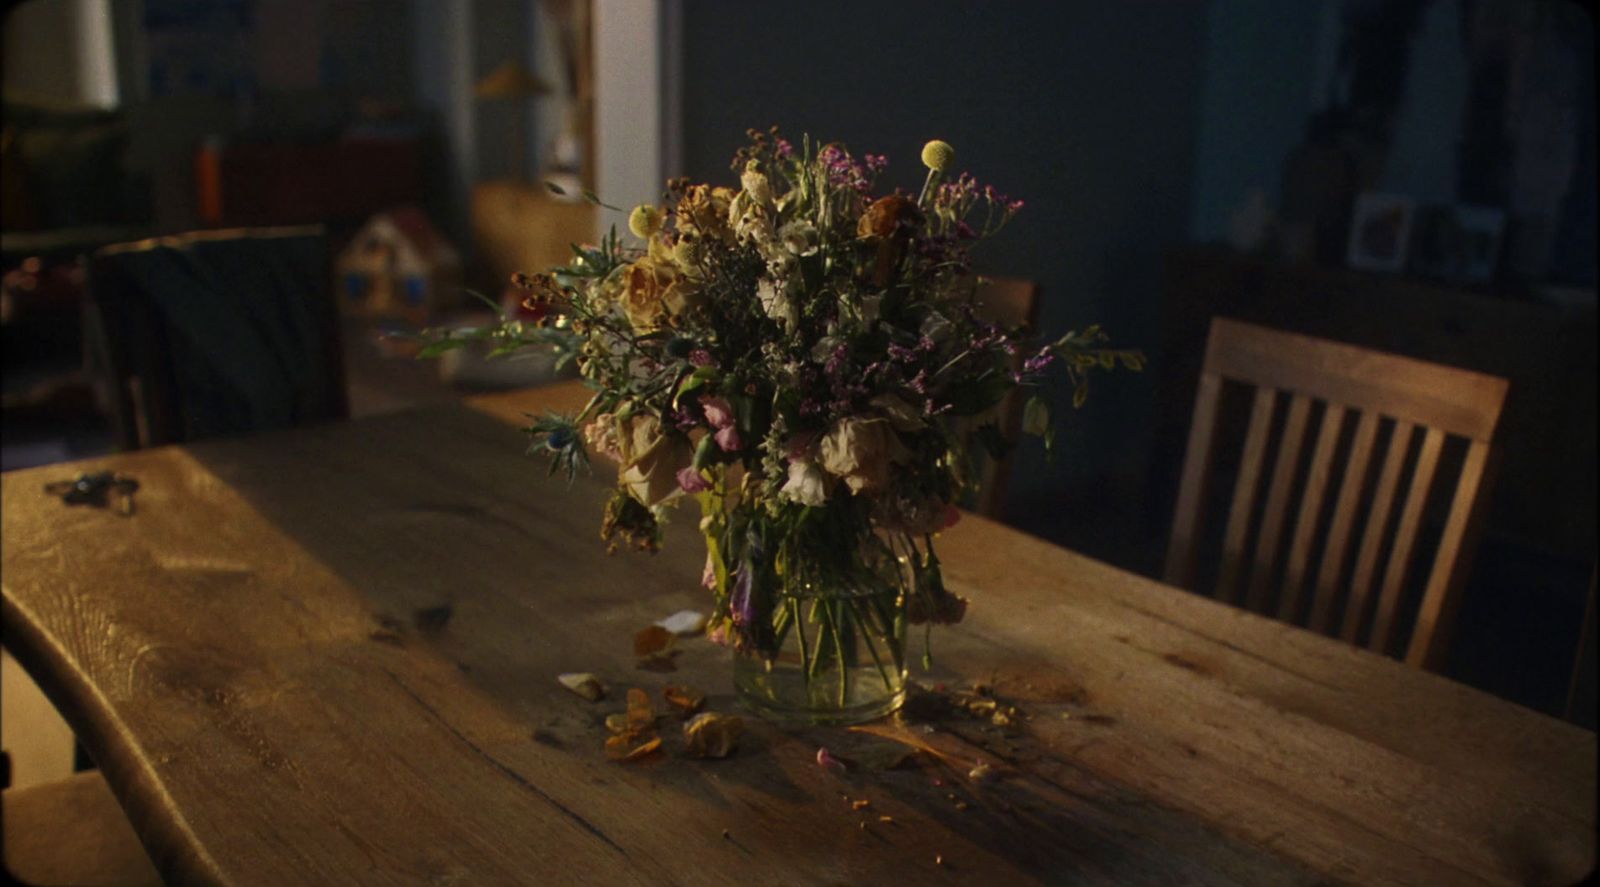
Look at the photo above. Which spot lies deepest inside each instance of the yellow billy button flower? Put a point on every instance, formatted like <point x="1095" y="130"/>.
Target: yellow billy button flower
<point x="938" y="156"/>
<point x="645" y="220"/>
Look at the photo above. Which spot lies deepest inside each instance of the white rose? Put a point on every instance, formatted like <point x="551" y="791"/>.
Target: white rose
<point x="860" y="450"/>
<point x="806" y="485"/>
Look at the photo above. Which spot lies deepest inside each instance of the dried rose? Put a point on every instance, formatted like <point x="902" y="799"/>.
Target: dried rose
<point x="887" y="216"/>
<point x="653" y="459"/>
<point x="860" y="450"/>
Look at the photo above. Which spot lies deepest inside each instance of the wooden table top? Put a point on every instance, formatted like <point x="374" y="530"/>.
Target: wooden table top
<point x="258" y="662"/>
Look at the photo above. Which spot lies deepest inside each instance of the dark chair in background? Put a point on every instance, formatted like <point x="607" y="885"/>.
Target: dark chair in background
<point x="215" y="333"/>
<point x="1366" y="409"/>
<point x="194" y="336"/>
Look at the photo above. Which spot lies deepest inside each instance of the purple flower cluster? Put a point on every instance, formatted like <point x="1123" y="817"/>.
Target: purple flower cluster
<point x="846" y="172"/>
<point x="1038" y="362"/>
<point x="999" y="199"/>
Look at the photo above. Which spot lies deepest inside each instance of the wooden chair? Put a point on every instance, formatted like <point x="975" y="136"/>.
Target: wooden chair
<point x="192" y="336"/>
<point x="1380" y="427"/>
<point x="1009" y="302"/>
<point x="71" y="832"/>
<point x="215" y="332"/>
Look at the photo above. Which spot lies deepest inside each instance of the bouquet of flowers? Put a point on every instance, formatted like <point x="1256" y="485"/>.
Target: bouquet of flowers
<point x="812" y="365"/>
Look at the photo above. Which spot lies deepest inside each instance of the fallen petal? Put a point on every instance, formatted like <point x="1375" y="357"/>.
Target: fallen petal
<point x="829" y="761"/>
<point x="687" y="700"/>
<point x="684" y="623"/>
<point x="640" y="714"/>
<point x="584" y="684"/>
<point x="652" y="641"/>
<point x="624" y="748"/>
<point x="711" y="735"/>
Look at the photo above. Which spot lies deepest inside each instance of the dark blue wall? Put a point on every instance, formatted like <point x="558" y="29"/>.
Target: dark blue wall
<point x="1086" y="110"/>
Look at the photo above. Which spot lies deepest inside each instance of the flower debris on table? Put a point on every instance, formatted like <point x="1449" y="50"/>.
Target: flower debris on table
<point x="652" y="646"/>
<point x="687" y="700"/>
<point x="711" y="735"/>
<point x="684" y="623"/>
<point x="634" y="731"/>
<point x="584" y="684"/>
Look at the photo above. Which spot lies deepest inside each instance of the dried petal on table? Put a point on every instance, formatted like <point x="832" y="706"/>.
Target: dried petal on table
<point x="652" y="641"/>
<point x="711" y="735"/>
<point x="640" y="715"/>
<point x="617" y="723"/>
<point x="626" y="748"/>
<point x="687" y="700"/>
<point x="684" y="623"/>
<point x="829" y="761"/>
<point x="584" y="684"/>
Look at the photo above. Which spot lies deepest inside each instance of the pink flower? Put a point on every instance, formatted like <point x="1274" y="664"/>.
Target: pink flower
<point x="952" y="516"/>
<point x="728" y="439"/>
<point x="718" y="634"/>
<point x="690" y="480"/>
<point x="718" y="411"/>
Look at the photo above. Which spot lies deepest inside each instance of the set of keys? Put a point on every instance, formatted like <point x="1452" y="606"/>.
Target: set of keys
<point x="96" y="489"/>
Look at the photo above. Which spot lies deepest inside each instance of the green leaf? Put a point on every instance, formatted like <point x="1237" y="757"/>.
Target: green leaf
<point x="434" y="349"/>
<point x="1036" y="416"/>
<point x="493" y="305"/>
<point x="691" y="382"/>
<point x="556" y="189"/>
<point x="1080" y="394"/>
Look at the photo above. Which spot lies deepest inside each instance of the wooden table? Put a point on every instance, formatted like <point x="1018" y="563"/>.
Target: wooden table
<point x="258" y="662"/>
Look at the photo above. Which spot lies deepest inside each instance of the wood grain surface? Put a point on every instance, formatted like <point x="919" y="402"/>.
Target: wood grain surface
<point x="329" y="656"/>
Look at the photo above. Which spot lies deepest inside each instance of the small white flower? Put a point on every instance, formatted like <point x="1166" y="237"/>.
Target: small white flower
<point x="800" y="238"/>
<point x="755" y="184"/>
<point x="807" y="484"/>
<point x="776" y="301"/>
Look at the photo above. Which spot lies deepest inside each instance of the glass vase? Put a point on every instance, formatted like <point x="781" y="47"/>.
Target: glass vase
<point x="840" y="658"/>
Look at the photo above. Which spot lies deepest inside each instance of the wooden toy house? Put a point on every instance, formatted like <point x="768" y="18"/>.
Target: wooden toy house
<point x="399" y="266"/>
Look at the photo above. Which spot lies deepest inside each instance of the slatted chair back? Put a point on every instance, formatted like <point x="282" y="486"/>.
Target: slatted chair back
<point x="1010" y="302"/>
<point x="216" y="332"/>
<point x="1350" y="442"/>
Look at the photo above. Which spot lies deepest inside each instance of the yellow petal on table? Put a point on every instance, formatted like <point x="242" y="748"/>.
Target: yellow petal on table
<point x="626" y="748"/>
<point x="618" y="724"/>
<point x="711" y="735"/>
<point x="640" y="714"/>
<point x="687" y="700"/>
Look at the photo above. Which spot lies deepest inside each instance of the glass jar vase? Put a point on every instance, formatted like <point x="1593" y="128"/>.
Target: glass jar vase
<point x="837" y="657"/>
